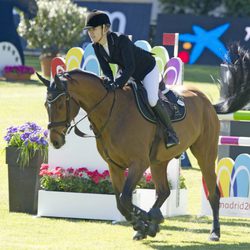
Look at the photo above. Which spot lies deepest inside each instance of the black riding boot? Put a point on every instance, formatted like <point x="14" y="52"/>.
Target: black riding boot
<point x="171" y="138"/>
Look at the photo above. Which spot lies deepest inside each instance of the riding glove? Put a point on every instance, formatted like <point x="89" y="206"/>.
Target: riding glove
<point x="110" y="85"/>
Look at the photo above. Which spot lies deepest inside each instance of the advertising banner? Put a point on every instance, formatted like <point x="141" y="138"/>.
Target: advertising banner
<point x="128" y="18"/>
<point x="203" y="39"/>
<point x="233" y="179"/>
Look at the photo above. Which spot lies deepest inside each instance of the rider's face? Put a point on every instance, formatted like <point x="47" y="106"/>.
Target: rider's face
<point x="97" y="34"/>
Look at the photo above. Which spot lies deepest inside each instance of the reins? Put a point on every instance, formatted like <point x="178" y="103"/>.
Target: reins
<point x="82" y="134"/>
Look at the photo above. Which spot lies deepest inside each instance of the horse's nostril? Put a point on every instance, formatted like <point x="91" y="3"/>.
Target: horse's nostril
<point x="56" y="144"/>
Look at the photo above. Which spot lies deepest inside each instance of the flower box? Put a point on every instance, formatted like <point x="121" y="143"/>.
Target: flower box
<point x="87" y="205"/>
<point x="17" y="77"/>
<point x="78" y="205"/>
<point x="176" y="204"/>
<point x="18" y="73"/>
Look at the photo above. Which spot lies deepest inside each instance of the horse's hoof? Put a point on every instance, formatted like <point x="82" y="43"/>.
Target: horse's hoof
<point x="153" y="229"/>
<point x="155" y="215"/>
<point x="139" y="235"/>
<point x="139" y="226"/>
<point x="214" y="237"/>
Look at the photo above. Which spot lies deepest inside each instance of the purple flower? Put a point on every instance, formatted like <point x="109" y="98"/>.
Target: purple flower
<point x="34" y="138"/>
<point x="21" y="69"/>
<point x="42" y="141"/>
<point x="28" y="137"/>
<point x="29" y="132"/>
<point x="45" y="133"/>
<point x="25" y="136"/>
<point x="7" y="138"/>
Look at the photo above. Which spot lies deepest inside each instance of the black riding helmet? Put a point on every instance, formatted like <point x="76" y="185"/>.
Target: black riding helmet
<point x="96" y="18"/>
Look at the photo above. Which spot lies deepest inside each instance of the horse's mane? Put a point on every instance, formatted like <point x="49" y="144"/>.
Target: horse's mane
<point x="83" y="72"/>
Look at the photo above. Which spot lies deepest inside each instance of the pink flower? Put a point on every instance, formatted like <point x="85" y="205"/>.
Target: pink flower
<point x="96" y="179"/>
<point x="105" y="173"/>
<point x="76" y="179"/>
<point x="44" y="166"/>
<point x="43" y="172"/>
<point x="148" y="178"/>
<point x="70" y="170"/>
<point x="82" y="169"/>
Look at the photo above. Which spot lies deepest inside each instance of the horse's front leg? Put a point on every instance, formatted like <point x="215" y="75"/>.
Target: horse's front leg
<point x="118" y="179"/>
<point x="139" y="217"/>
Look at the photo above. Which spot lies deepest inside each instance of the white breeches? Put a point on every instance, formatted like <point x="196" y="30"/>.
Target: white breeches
<point x="151" y="84"/>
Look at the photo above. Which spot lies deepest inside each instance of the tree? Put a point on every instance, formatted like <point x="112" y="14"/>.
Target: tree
<point x="222" y="8"/>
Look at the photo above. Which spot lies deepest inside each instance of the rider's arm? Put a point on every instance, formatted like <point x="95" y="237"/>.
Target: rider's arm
<point x="126" y="48"/>
<point x="104" y="65"/>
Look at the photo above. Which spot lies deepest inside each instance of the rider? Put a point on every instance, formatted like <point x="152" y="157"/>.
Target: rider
<point x="111" y="47"/>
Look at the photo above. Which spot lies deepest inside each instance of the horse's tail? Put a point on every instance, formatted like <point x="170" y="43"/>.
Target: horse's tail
<point x="235" y="80"/>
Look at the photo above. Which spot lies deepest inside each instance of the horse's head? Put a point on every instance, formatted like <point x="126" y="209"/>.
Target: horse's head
<point x="61" y="108"/>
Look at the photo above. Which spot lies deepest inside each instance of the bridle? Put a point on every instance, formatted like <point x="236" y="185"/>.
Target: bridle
<point x="67" y="123"/>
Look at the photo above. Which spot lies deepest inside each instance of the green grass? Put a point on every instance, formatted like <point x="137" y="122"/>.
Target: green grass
<point x="21" y="102"/>
<point x="201" y="73"/>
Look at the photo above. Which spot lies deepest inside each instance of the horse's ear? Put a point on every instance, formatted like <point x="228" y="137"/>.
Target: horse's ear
<point x="43" y="80"/>
<point x="58" y="83"/>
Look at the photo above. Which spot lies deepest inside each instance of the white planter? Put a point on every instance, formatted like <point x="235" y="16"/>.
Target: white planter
<point x="175" y="205"/>
<point x="144" y="198"/>
<point x="78" y="205"/>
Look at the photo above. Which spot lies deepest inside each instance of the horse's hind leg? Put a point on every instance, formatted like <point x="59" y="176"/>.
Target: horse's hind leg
<point x="205" y="150"/>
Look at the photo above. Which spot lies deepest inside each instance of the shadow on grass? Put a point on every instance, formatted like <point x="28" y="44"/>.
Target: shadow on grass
<point x="193" y="245"/>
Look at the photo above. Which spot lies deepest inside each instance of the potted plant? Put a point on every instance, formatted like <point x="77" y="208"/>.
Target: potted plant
<point x="76" y="193"/>
<point x="18" y="73"/>
<point x="56" y="27"/>
<point x="26" y="149"/>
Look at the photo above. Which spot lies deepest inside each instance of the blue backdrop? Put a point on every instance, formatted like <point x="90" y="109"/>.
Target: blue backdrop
<point x="128" y="18"/>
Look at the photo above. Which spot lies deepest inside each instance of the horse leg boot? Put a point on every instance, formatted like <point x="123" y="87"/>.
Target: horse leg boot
<point x="159" y="175"/>
<point x="215" y="205"/>
<point x="170" y="136"/>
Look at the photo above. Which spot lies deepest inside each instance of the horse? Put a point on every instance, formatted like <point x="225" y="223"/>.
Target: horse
<point x="126" y="140"/>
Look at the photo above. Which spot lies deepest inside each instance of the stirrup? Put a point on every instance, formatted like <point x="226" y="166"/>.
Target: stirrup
<point x="172" y="140"/>
<point x="172" y="144"/>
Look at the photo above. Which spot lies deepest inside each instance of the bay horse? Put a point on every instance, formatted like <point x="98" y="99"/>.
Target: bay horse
<point x="126" y="140"/>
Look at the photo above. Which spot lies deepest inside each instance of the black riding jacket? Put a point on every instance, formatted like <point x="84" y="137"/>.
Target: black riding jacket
<point x="132" y="60"/>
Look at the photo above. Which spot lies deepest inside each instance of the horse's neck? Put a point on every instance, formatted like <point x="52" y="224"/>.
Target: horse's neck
<point x="92" y="97"/>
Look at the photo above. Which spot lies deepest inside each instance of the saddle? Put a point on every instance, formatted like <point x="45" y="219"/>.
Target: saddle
<point x="173" y="102"/>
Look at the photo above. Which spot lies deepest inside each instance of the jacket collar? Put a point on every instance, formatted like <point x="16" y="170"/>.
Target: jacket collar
<point x="111" y="45"/>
